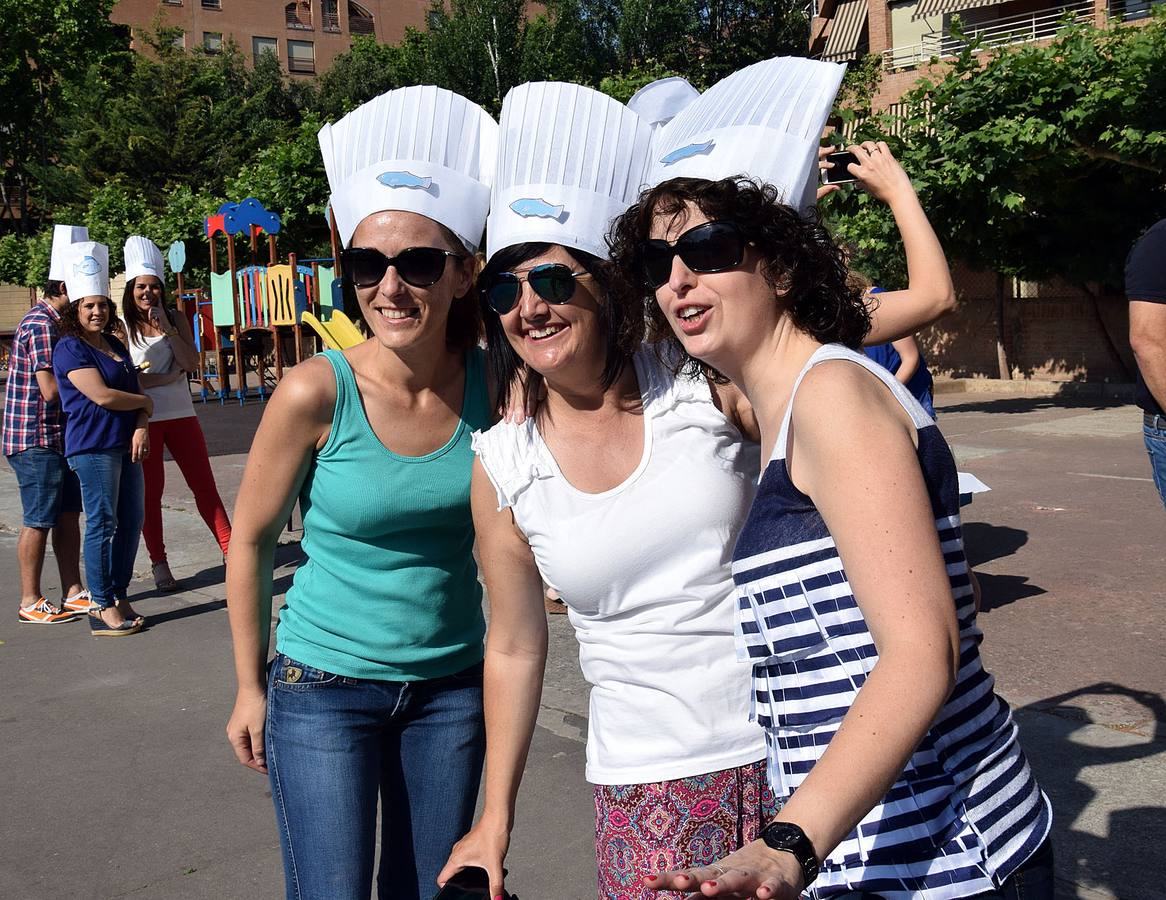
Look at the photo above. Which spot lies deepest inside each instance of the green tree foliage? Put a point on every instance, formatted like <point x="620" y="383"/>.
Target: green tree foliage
<point x="45" y="49"/>
<point x="1042" y="161"/>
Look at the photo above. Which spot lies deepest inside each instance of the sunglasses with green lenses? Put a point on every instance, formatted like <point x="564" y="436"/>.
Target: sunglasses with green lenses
<point x="554" y="282"/>
<point x="418" y="266"/>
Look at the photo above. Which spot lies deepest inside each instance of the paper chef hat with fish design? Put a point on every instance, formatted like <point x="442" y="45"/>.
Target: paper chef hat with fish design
<point x="87" y="270"/>
<point x="63" y="237"/>
<point x="659" y="102"/>
<point x="764" y="121"/>
<point x="419" y="149"/>
<point x="143" y="257"/>
<point x="570" y="160"/>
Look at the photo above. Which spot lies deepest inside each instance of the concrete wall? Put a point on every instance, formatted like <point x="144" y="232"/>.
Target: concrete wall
<point x="1052" y="332"/>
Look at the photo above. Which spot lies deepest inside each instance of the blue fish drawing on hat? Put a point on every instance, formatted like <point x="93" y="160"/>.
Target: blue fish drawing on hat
<point x="87" y="266"/>
<point x="404" y="179"/>
<point x="687" y="152"/>
<point x="536" y="208"/>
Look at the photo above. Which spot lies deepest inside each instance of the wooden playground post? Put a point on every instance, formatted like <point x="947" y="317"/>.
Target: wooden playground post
<point x="236" y="331"/>
<point x="296" y="334"/>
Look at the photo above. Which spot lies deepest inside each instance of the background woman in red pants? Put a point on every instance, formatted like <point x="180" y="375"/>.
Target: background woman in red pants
<point x="163" y="338"/>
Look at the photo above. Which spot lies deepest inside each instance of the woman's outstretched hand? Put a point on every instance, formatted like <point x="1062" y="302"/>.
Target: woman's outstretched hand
<point x="755" y="872"/>
<point x="879" y="173"/>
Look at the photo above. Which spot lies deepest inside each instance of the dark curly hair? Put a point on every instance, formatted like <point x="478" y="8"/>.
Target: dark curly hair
<point x="622" y="327"/>
<point x="70" y="324"/>
<point x="797" y="254"/>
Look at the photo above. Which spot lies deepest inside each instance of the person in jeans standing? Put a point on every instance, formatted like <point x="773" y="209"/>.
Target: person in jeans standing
<point x="33" y="444"/>
<point x="158" y="336"/>
<point x="106" y="436"/>
<point x="375" y="693"/>
<point x="1146" y="291"/>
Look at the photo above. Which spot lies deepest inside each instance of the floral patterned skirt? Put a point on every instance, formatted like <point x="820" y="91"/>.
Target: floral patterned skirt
<point x="645" y="828"/>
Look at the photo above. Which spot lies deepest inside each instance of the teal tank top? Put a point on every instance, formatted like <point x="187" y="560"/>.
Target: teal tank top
<point x="389" y="589"/>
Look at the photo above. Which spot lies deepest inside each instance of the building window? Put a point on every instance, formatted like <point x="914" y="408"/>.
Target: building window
<point x="171" y="2"/>
<point x="330" y="16"/>
<point x="209" y="4"/>
<point x="261" y="45"/>
<point x="360" y="20"/>
<point x="301" y="57"/>
<point x="298" y="14"/>
<point x="434" y="18"/>
<point x="212" y="41"/>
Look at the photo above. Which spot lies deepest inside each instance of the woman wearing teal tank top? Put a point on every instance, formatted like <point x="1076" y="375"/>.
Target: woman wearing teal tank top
<point x="375" y="690"/>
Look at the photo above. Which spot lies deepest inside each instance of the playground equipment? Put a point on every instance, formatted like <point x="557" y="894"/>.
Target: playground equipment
<point x="259" y="305"/>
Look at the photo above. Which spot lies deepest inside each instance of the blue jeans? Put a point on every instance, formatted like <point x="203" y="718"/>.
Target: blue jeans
<point x="47" y="486"/>
<point x="1156" y="447"/>
<point x="334" y="744"/>
<point x="113" y="497"/>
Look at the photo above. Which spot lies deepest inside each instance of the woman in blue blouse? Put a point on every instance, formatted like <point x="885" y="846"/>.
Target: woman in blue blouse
<point x="106" y="437"/>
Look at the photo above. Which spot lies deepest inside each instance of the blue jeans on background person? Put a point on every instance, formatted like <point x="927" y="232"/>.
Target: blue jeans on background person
<point x="1154" y="431"/>
<point x="113" y="497"/>
<point x="334" y="744"/>
<point x="48" y="487"/>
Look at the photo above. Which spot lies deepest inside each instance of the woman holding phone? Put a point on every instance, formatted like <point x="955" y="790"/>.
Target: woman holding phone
<point x="162" y="347"/>
<point x="374" y="697"/>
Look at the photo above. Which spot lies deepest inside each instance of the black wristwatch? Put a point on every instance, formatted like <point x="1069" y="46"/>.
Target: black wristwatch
<point x="789" y="838"/>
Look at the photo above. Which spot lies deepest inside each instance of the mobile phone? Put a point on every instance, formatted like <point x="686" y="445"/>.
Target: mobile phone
<point x="470" y="883"/>
<point x="839" y="174"/>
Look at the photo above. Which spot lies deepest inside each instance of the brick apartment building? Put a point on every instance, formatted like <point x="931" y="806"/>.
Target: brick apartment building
<point x="306" y="35"/>
<point x="1051" y="330"/>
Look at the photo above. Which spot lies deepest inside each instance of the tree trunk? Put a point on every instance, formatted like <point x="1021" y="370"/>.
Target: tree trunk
<point x="1111" y="348"/>
<point x="1001" y="349"/>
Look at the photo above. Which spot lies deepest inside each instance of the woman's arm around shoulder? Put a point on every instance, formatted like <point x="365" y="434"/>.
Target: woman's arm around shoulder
<point x="516" y="652"/>
<point x="294" y="426"/>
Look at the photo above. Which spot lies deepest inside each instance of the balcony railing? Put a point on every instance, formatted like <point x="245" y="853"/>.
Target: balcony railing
<point x="299" y="18"/>
<point x="330" y="22"/>
<point x="1023" y="29"/>
<point x="361" y="24"/>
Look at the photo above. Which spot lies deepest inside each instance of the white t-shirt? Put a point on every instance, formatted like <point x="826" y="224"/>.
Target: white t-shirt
<point x="644" y="570"/>
<point x="171" y="401"/>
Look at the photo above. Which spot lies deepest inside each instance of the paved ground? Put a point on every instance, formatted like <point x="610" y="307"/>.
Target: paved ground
<point x="119" y="782"/>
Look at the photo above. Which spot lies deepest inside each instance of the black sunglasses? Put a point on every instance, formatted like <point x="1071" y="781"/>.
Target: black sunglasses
<point x="711" y="247"/>
<point x="417" y="266"/>
<point x="554" y="282"/>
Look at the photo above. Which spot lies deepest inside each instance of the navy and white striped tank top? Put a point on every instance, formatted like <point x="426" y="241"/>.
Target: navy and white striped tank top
<point x="966" y="812"/>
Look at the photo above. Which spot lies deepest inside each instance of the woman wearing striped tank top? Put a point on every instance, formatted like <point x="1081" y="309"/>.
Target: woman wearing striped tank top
<point x="898" y="766"/>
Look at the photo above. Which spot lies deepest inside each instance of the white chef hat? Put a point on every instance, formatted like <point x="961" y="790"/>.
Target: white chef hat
<point x="87" y="270"/>
<point x="764" y="121"/>
<point x="63" y="236"/>
<point x="420" y="149"/>
<point x="143" y="257"/>
<point x="570" y="160"/>
<point x="659" y="102"/>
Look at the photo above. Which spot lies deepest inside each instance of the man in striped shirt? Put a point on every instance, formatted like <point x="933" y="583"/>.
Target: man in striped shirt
<point x="33" y="443"/>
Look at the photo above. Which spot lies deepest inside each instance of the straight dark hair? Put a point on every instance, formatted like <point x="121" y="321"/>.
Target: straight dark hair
<point x="622" y="334"/>
<point x="54" y="288"/>
<point x="133" y="317"/>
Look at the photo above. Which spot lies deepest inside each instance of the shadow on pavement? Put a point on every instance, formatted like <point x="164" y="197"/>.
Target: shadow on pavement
<point x="1103" y="849"/>
<point x="985" y="543"/>
<point x="185" y="612"/>
<point x="1031" y="404"/>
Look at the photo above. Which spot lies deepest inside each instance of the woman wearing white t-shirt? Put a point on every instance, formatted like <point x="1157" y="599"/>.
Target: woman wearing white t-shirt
<point x="624" y="492"/>
<point x="162" y="338"/>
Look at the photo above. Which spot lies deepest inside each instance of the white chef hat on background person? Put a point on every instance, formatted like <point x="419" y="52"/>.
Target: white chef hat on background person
<point x="86" y="270"/>
<point x="764" y="121"/>
<point x="63" y="237"/>
<point x="419" y="149"/>
<point x="660" y="101"/>
<point x="570" y="160"/>
<point x="142" y="257"/>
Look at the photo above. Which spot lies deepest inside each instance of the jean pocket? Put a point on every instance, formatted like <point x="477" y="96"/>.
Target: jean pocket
<point x="289" y="675"/>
